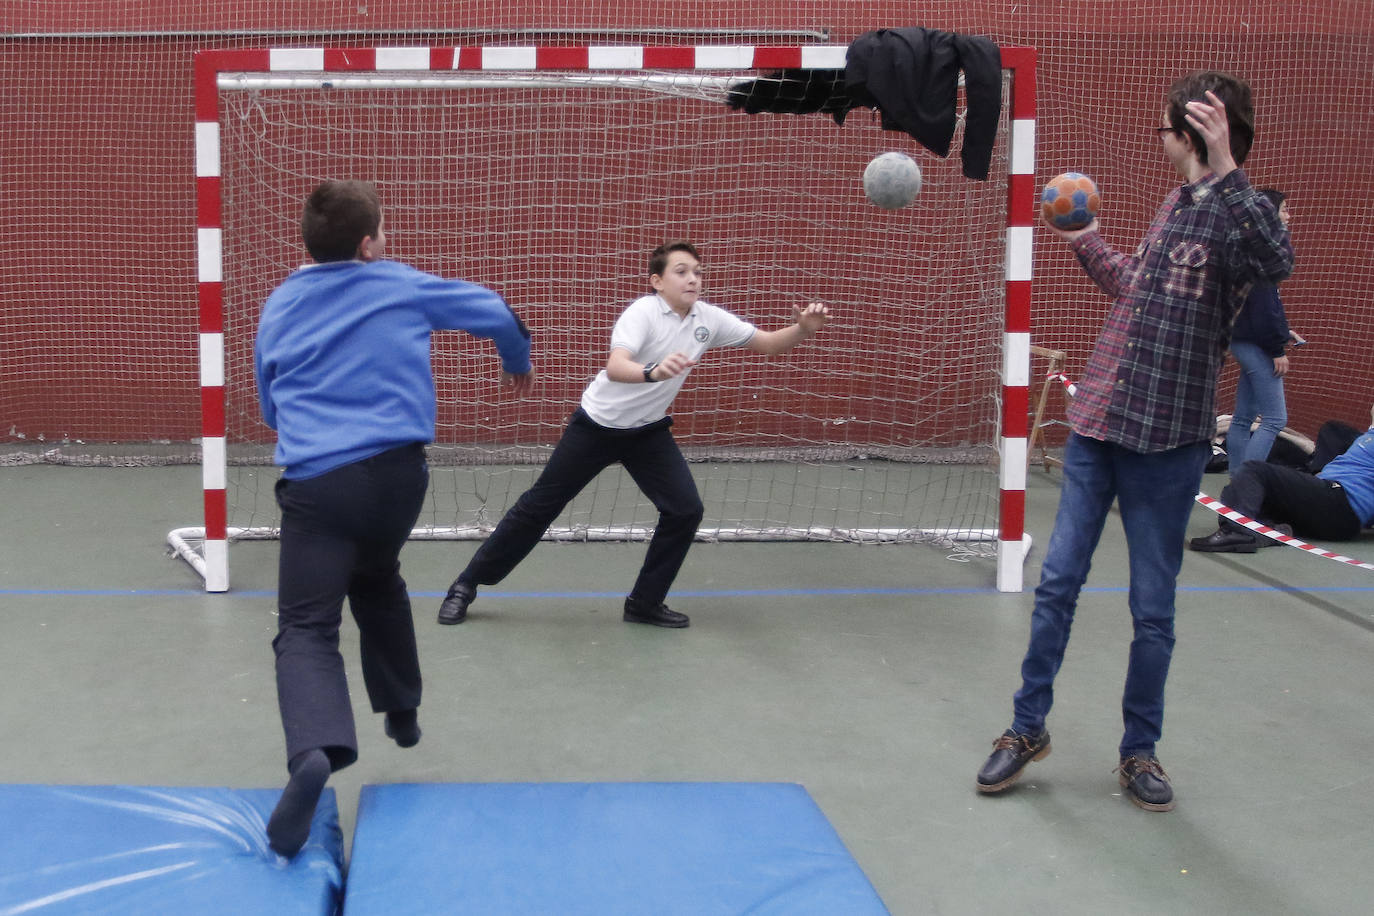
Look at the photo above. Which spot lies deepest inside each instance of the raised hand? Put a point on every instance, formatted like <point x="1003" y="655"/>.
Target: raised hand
<point x="1209" y="119"/>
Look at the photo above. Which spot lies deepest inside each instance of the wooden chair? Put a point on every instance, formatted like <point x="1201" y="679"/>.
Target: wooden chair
<point x="1055" y="367"/>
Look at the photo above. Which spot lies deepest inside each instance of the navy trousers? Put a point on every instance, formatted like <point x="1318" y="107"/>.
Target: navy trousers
<point x="653" y="461"/>
<point x="1271" y="493"/>
<point x="341" y="537"/>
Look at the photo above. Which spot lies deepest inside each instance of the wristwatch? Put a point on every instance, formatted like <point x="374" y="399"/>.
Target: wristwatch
<point x="649" y="371"/>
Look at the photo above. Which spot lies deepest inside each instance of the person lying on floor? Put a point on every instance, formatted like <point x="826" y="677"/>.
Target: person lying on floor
<point x="1334" y="505"/>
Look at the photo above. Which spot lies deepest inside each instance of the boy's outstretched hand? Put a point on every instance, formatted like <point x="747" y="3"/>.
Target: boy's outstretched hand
<point x="811" y="318"/>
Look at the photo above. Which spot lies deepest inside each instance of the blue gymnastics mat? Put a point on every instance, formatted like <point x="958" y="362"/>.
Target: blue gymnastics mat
<point x="600" y="848"/>
<point x="152" y="850"/>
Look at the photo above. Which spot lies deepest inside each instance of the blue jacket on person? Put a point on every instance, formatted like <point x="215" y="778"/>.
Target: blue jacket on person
<point x="1262" y="321"/>
<point x="342" y="357"/>
<point x="1354" y="471"/>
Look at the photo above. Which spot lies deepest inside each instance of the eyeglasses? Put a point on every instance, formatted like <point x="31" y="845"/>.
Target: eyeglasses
<point x="1165" y="130"/>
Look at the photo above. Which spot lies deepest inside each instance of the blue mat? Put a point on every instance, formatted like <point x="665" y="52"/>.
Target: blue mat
<point x="600" y="848"/>
<point x="150" y="850"/>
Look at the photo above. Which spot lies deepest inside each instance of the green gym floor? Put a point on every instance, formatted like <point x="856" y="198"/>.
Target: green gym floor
<point x="875" y="676"/>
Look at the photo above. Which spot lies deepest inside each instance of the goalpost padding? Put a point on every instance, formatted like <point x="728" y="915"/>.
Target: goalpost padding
<point x="160" y="850"/>
<point x="905" y="421"/>
<point x="600" y="849"/>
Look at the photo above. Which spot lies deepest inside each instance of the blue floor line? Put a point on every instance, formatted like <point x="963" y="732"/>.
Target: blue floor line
<point x="719" y="593"/>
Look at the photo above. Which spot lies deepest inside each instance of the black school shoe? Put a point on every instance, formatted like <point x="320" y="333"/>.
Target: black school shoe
<point x="1223" y="541"/>
<point x="1010" y="754"/>
<point x="1146" y="783"/>
<point x="637" y="611"/>
<point x="455" y="606"/>
<point x="1226" y="540"/>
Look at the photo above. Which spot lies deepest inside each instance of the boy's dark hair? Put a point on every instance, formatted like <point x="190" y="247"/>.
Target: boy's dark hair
<point x="1275" y="196"/>
<point x="338" y="216"/>
<point x="1234" y="94"/>
<point x="658" y="259"/>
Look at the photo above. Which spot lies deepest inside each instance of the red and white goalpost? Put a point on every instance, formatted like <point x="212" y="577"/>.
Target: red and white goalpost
<point x="549" y="173"/>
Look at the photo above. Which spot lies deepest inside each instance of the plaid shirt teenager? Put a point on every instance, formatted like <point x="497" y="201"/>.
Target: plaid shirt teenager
<point x="1150" y="384"/>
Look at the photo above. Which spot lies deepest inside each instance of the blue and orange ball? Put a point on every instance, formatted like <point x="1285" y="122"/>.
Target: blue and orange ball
<point x="1070" y="201"/>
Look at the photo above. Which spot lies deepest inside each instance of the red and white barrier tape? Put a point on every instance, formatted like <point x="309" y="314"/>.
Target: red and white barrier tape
<point x="1227" y="512"/>
<point x="1068" y="384"/>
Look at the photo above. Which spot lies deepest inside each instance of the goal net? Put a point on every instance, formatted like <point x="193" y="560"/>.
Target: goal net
<point x="549" y="175"/>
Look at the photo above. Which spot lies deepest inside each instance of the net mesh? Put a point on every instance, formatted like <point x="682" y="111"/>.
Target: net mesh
<point x="552" y="191"/>
<point x="97" y="263"/>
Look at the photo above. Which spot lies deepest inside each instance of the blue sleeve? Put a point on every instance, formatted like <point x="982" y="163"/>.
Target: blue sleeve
<point x="457" y="305"/>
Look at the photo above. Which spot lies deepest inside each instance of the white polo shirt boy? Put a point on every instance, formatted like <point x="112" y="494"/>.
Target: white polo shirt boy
<point x="650" y="330"/>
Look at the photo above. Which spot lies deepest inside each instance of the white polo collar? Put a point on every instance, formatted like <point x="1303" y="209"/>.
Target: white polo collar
<point x="667" y="309"/>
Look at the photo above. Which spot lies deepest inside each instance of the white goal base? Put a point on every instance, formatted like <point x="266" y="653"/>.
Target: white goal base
<point x="966" y="543"/>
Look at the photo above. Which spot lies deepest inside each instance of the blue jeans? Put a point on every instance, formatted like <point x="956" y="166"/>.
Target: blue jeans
<point x="1259" y="394"/>
<point x="1155" y="493"/>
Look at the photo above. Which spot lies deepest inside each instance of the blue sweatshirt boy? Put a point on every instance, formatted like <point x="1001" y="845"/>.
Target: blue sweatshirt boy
<point x="342" y="357"/>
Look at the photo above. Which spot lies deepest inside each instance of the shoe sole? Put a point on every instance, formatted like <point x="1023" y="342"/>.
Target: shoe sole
<point x="1006" y="783"/>
<point x="1230" y="548"/>
<point x="452" y="621"/>
<point x="632" y="618"/>
<point x="1140" y="802"/>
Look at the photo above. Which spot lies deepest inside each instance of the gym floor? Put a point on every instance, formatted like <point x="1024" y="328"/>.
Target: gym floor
<point x="876" y="677"/>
